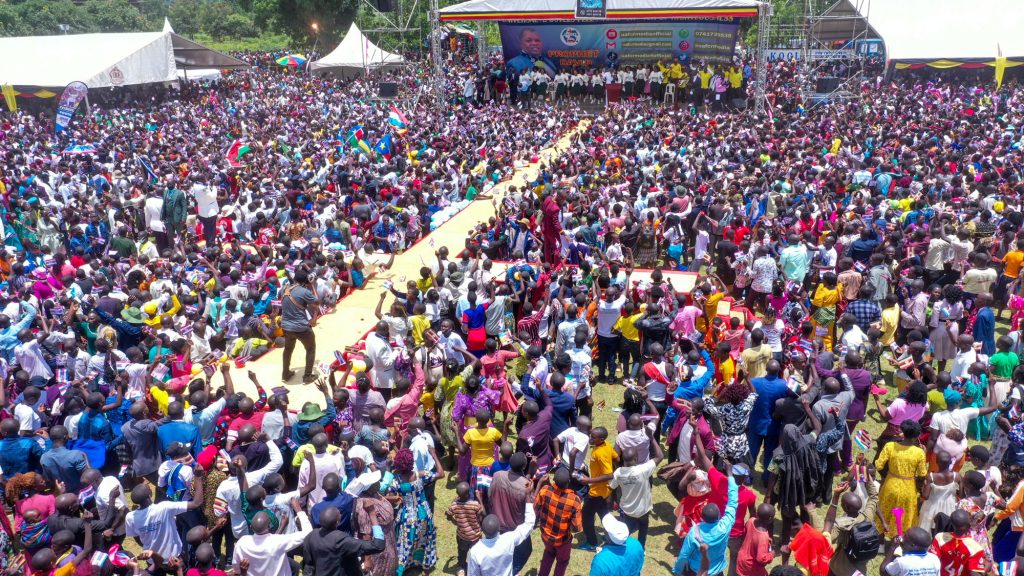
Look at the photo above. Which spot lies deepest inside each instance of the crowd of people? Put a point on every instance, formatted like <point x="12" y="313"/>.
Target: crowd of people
<point x="696" y="83"/>
<point x="869" y="253"/>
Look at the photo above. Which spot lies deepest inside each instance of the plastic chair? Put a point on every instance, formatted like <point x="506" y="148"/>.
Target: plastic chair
<point x="670" y="92"/>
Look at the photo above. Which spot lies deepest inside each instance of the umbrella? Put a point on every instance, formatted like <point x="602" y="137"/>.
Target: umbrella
<point x="292" y="60"/>
<point x="80" y="149"/>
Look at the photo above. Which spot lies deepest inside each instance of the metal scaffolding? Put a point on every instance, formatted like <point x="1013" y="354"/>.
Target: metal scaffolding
<point x="436" y="90"/>
<point x="764" y="19"/>
<point x="826" y="37"/>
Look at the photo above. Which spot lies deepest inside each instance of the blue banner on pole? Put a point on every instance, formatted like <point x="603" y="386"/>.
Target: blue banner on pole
<point x="72" y="96"/>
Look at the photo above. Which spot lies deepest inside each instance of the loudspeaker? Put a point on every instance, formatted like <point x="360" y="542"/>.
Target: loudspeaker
<point x="384" y="5"/>
<point x="387" y="89"/>
<point x="826" y="85"/>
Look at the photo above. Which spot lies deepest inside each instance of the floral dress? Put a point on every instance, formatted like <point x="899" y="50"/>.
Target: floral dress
<point x="979" y="519"/>
<point x="444" y="400"/>
<point x="734" y="419"/>
<point x="464" y="417"/>
<point x="416" y="536"/>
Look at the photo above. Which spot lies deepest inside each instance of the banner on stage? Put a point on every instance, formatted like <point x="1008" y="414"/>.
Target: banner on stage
<point x="593" y="9"/>
<point x="72" y="96"/>
<point x="555" y="46"/>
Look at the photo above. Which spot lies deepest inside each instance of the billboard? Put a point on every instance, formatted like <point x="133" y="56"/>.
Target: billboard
<point x="554" y="46"/>
<point x="591" y="9"/>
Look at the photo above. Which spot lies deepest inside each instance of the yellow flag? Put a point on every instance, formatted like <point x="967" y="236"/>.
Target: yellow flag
<point x="9" y="96"/>
<point x="1000" y="66"/>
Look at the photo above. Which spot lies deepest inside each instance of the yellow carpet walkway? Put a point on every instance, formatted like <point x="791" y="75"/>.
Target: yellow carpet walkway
<point x="353" y="316"/>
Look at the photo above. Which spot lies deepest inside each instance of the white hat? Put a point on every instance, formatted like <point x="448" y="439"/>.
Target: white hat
<point x="359" y="485"/>
<point x="360" y="452"/>
<point x="617" y="531"/>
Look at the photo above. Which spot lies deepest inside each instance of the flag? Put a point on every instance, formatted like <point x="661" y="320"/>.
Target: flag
<point x="1008" y="568"/>
<point x="397" y="119"/>
<point x="1000" y="66"/>
<point x="235" y="153"/>
<point x="355" y="134"/>
<point x="87" y="494"/>
<point x="149" y="170"/>
<point x="72" y="96"/>
<point x="383" y="147"/>
<point x="364" y="147"/>
<point x="10" y="96"/>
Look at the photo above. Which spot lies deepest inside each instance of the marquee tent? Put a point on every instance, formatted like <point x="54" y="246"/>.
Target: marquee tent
<point x="104" y="60"/>
<point x="537" y="10"/>
<point x="937" y="33"/>
<point x="356" y="53"/>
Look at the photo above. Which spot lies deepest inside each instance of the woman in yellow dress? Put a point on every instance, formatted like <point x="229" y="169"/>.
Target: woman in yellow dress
<point x="906" y="467"/>
<point x="825" y="301"/>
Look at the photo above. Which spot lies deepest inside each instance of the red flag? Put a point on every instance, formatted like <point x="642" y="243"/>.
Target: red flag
<point x="235" y="153"/>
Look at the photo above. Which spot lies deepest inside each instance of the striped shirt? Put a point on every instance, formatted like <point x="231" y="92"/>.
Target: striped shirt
<point x="466" y="516"/>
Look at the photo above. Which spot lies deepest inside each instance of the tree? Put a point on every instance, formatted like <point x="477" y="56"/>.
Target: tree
<point x="44" y="17"/>
<point x="114" y="16"/>
<point x="184" y="17"/>
<point x="239" y="26"/>
<point x="333" y="17"/>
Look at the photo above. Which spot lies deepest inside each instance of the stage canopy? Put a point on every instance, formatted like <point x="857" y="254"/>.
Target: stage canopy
<point x="938" y="33"/>
<point x="355" y="54"/>
<point x="536" y="10"/>
<point x="103" y="60"/>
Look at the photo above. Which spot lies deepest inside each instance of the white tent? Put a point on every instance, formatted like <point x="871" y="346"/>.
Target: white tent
<point x="942" y="32"/>
<point x="535" y="10"/>
<point x="357" y="53"/>
<point x="104" y="60"/>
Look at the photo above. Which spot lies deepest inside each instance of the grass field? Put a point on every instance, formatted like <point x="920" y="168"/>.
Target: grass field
<point x="662" y="545"/>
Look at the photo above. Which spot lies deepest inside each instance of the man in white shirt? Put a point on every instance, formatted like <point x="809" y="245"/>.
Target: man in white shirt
<point x="634" y="483"/>
<point x="492" y="555"/>
<point x="266" y="554"/>
<point x="917" y="559"/>
<point x="608" y="312"/>
<point x="153" y="525"/>
<point x="228" y="504"/>
<point x="382" y="357"/>
<point x="151" y="210"/>
<point x="24" y="411"/>
<point x="30" y="358"/>
<point x="572" y="444"/>
<point x="452" y="342"/>
<point x="207" y="209"/>
<point x="326" y="462"/>
<point x="111" y="502"/>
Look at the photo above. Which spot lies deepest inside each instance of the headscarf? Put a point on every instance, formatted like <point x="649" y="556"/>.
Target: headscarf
<point x="800" y="474"/>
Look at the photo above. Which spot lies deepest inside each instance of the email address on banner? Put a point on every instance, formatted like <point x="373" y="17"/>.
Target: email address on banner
<point x="648" y="44"/>
<point x="642" y="55"/>
<point x="645" y="34"/>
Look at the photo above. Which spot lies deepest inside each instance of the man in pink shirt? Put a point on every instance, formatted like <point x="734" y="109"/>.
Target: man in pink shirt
<point x="399" y="413"/>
